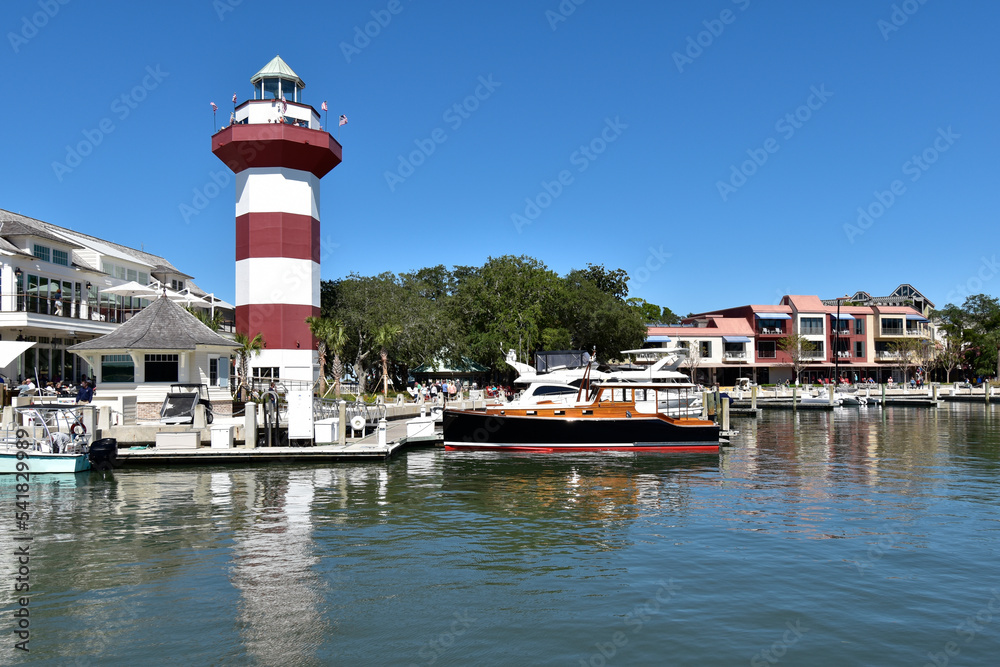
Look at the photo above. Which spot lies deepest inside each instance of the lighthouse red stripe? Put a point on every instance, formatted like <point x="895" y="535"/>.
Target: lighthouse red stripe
<point x="277" y="235"/>
<point x="283" y="325"/>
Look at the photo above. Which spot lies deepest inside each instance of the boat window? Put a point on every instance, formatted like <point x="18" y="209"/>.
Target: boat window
<point x="554" y="391"/>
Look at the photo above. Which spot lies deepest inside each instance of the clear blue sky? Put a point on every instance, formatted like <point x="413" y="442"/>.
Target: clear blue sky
<point x="673" y="130"/>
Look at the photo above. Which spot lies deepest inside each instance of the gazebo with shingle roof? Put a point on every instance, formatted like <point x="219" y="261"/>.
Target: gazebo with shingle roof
<point x="162" y="345"/>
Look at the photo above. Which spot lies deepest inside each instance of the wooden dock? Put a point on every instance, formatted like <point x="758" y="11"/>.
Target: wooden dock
<point x="357" y="449"/>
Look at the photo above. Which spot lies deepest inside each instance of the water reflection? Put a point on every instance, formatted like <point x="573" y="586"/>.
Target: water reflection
<point x="282" y="609"/>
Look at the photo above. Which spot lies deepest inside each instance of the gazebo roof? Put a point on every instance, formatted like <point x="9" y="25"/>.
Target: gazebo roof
<point x="162" y="325"/>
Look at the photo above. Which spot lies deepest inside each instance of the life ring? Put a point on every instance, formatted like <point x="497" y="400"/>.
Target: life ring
<point x="78" y="428"/>
<point x="358" y="423"/>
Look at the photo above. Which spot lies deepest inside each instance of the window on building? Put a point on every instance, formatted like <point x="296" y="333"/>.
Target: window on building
<point x="42" y="252"/>
<point x="120" y="272"/>
<point x="811" y="326"/>
<point x="117" y="368"/>
<point x="131" y="274"/>
<point x="859" y="349"/>
<point x="892" y="326"/>
<point x="161" y="368"/>
<point x="766" y="350"/>
<point x="705" y="348"/>
<point x="859" y="327"/>
<point x="177" y="285"/>
<point x="143" y="278"/>
<point x="265" y="372"/>
<point x="60" y="257"/>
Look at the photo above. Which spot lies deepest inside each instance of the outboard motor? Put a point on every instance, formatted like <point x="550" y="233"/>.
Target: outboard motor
<point x="104" y="454"/>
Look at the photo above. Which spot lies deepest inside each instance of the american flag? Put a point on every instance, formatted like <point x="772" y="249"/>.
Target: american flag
<point x="343" y="119"/>
<point x="323" y="106"/>
<point x="214" y="108"/>
<point x="284" y="104"/>
<point x="234" y="98"/>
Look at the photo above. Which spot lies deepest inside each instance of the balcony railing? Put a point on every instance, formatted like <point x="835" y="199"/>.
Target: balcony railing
<point x="766" y="354"/>
<point x="892" y="331"/>
<point x="811" y="331"/>
<point x="734" y="356"/>
<point x="770" y="331"/>
<point x="69" y="309"/>
<point x="887" y="355"/>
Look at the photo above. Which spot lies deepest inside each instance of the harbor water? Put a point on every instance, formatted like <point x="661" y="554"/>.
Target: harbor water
<point x="859" y="536"/>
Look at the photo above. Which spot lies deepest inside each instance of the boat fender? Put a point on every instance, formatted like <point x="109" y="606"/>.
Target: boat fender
<point x="78" y="428"/>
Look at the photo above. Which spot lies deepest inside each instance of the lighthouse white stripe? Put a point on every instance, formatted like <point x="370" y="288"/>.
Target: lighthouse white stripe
<point x="277" y="280"/>
<point x="277" y="190"/>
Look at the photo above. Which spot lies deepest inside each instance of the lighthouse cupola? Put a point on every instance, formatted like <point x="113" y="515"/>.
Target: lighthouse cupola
<point x="275" y="81"/>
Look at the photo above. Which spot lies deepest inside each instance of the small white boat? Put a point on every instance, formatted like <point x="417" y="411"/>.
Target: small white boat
<point x="52" y="439"/>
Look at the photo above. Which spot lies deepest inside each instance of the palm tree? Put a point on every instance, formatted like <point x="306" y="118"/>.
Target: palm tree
<point x="384" y="338"/>
<point x="248" y="348"/>
<point x="213" y="323"/>
<point x="320" y="328"/>
<point x="336" y="343"/>
<point x="331" y="336"/>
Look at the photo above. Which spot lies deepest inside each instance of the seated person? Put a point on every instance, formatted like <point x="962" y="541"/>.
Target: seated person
<point x="26" y="389"/>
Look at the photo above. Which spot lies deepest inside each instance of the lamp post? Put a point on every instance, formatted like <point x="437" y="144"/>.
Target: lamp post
<point x="836" y="343"/>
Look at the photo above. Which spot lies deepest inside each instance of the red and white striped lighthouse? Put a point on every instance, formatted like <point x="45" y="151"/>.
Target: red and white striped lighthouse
<point x="279" y="153"/>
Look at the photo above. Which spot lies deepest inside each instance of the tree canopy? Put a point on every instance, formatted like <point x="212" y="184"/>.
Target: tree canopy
<point x="510" y="302"/>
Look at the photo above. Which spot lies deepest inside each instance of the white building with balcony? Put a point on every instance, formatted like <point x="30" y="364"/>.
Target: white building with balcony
<point x="52" y="282"/>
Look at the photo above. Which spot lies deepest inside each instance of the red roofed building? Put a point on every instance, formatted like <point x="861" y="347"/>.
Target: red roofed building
<point x="743" y="341"/>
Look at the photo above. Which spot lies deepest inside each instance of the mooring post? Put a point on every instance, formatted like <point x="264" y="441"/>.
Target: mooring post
<point x="986" y="390"/>
<point x="342" y="423"/>
<point x="831" y="389"/>
<point x="795" y="391"/>
<point x="753" y="398"/>
<point x="704" y="405"/>
<point x="883" y="394"/>
<point x="725" y="414"/>
<point x="250" y="425"/>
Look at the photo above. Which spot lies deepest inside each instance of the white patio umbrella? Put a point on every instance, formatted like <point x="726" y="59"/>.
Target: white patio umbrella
<point x="186" y="298"/>
<point x="132" y="288"/>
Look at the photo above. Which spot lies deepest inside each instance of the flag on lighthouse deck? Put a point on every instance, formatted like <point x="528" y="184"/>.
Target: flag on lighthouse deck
<point x="323" y="106"/>
<point x="343" y="119"/>
<point x="284" y="104"/>
<point x="214" y="108"/>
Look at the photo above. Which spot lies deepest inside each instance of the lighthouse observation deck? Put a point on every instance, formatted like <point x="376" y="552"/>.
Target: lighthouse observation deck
<point x="261" y="112"/>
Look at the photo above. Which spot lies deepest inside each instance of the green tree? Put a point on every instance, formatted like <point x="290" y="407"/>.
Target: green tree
<point x="249" y="347"/>
<point x="505" y="304"/>
<point x="613" y="282"/>
<point x="212" y="322"/>
<point x="798" y="348"/>
<point x="385" y="336"/>
<point x="330" y="337"/>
